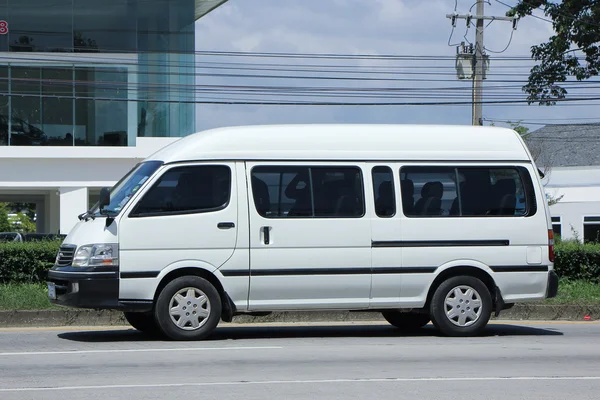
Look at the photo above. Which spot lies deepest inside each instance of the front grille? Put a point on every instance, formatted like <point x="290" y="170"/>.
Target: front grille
<point x="65" y="255"/>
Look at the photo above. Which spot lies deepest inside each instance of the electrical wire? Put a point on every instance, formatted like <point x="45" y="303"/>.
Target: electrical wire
<point x="532" y="15"/>
<point x="507" y="46"/>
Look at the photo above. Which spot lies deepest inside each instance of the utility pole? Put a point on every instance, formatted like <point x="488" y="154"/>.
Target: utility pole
<point x="478" y="59"/>
<point x="478" y="67"/>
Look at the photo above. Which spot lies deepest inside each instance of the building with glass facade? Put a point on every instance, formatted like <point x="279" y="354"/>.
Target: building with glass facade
<point x="93" y="74"/>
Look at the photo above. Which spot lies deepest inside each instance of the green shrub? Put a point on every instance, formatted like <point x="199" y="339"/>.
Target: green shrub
<point x="577" y="261"/>
<point x="26" y="262"/>
<point x="29" y="262"/>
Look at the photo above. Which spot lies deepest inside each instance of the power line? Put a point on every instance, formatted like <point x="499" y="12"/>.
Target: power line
<point x="291" y="103"/>
<point x="532" y="15"/>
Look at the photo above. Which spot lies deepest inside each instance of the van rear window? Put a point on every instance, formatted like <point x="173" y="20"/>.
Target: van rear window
<point x="467" y="192"/>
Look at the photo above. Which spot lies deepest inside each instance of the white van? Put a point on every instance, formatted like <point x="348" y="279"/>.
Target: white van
<point x="447" y="224"/>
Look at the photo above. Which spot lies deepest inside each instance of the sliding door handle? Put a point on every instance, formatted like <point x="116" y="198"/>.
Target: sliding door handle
<point x="225" y="225"/>
<point x="266" y="234"/>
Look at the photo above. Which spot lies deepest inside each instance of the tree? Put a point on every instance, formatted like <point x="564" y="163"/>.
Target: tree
<point x="577" y="27"/>
<point x="4" y="222"/>
<point x="28" y="209"/>
<point x="22" y="223"/>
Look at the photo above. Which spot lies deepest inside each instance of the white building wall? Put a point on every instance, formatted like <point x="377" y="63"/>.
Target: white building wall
<point x="578" y="189"/>
<point x="73" y="201"/>
<point x="65" y="174"/>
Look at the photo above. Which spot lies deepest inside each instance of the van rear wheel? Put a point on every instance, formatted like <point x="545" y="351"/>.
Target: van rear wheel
<point x="461" y="306"/>
<point x="406" y="321"/>
<point x="188" y="308"/>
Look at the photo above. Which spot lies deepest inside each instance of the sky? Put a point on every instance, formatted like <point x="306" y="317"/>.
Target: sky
<point x="374" y="27"/>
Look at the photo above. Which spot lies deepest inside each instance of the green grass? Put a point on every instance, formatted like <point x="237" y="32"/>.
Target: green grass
<point x="35" y="296"/>
<point x="576" y="292"/>
<point x="25" y="296"/>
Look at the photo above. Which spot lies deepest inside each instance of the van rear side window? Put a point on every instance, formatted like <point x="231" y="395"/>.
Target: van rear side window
<point x="383" y="190"/>
<point x="308" y="192"/>
<point x="467" y="192"/>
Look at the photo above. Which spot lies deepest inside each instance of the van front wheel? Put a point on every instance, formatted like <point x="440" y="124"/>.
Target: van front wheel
<point x="188" y="308"/>
<point x="461" y="306"/>
<point x="143" y="322"/>
<point x="406" y="321"/>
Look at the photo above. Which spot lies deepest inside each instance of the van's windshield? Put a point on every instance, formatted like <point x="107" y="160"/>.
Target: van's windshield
<point x="123" y="191"/>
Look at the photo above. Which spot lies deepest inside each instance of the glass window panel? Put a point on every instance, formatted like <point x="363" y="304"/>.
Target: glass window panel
<point x="57" y="105"/>
<point x="383" y="190"/>
<point x="481" y="191"/>
<point x="591" y="232"/>
<point x="428" y="191"/>
<point x="166" y="26"/>
<point x="26" y="104"/>
<point x="186" y="190"/>
<point x="308" y="192"/>
<point x="40" y="25"/>
<point x="101" y="110"/>
<point x="105" y="26"/>
<point x="4" y="100"/>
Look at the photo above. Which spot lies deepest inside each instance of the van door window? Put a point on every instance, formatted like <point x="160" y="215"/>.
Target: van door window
<point x="189" y="189"/>
<point x="308" y="192"/>
<point x="467" y="191"/>
<point x="383" y="190"/>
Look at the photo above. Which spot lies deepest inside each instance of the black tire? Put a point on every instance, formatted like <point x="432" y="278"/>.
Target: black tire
<point x="480" y="315"/>
<point x="191" y="310"/>
<point x="143" y="322"/>
<point x="406" y="321"/>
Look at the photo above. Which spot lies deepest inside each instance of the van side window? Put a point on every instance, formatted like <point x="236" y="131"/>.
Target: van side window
<point x="308" y="192"/>
<point x="467" y="191"/>
<point x="190" y="189"/>
<point x="383" y="190"/>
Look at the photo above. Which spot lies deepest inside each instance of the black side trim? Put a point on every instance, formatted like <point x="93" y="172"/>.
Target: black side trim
<point x="311" y="271"/>
<point x="139" y="274"/>
<point x="404" y="270"/>
<point x="235" y="272"/>
<point x="330" y="271"/>
<point x="439" y="243"/>
<point x="520" y="268"/>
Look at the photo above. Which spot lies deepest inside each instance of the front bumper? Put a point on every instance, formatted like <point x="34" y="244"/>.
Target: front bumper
<point x="552" y="289"/>
<point x="96" y="288"/>
<point x="85" y="287"/>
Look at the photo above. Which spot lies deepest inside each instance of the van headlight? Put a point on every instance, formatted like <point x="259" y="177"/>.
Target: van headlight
<point x="97" y="255"/>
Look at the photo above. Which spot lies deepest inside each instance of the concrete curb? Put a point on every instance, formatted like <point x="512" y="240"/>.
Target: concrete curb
<point x="53" y="318"/>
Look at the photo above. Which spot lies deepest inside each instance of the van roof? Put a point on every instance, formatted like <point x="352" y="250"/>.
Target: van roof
<point x="356" y="142"/>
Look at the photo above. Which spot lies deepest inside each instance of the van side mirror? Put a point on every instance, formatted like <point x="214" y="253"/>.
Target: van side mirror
<point x="104" y="198"/>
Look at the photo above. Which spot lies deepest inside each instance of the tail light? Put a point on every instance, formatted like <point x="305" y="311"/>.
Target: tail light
<point x="551" y="245"/>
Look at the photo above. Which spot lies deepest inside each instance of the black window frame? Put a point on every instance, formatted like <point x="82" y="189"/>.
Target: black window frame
<point x="376" y="194"/>
<point x="270" y="168"/>
<point x="523" y="172"/>
<point x="556" y="226"/>
<point x="135" y="214"/>
<point x="593" y="221"/>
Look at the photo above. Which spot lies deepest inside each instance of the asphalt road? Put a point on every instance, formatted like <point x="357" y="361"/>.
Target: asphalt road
<point x="516" y="361"/>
